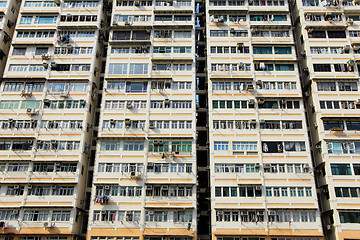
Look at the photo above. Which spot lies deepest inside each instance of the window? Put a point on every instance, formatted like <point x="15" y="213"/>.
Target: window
<point x="340" y="169"/>
<point x="272" y="147"/>
<point x="295" y="146"/>
<point x="110" y="146"/>
<point x="138" y="68"/>
<point x="326" y="86"/>
<point x="221" y="145"/>
<point x="349" y="217"/>
<point x="356" y="169"/>
<point x="322" y="67"/>
<point x="9" y="104"/>
<point x="60" y="216"/>
<point x="341" y="148"/>
<point x="136" y="87"/>
<point x="133" y="146"/>
<point x="36" y="215"/>
<point x="336" y="34"/>
<point x="117" y="68"/>
<point x="19" y="51"/>
<point x="45" y="19"/>
<point x="244" y="146"/>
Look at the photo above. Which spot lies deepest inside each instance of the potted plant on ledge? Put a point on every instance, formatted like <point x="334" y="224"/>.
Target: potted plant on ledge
<point x="337" y="129"/>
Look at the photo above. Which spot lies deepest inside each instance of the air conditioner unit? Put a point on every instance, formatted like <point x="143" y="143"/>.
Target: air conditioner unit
<point x="115" y="23"/>
<point x="258" y="82"/>
<point x="148" y="187"/>
<point x="303" y="54"/>
<point x="258" y="188"/>
<point x="262" y="121"/>
<point x="306" y="166"/>
<point x="137" y="3"/>
<point x="251" y="101"/>
<point x="241" y="64"/>
<point x="82" y="102"/>
<point x="253" y="31"/>
<point x="318" y="146"/>
<point x="161" y="143"/>
<point x="261" y="101"/>
<point x="127" y="122"/>
<point x="156" y="142"/>
<point x="129" y="105"/>
<point x="151" y="212"/>
<point x="107" y="187"/>
<point x="48" y="224"/>
<point x="250" y="88"/>
<point x="167" y="102"/>
<point x="16" y="186"/>
<point x="346" y="48"/>
<point x="257" y="165"/>
<point x="310" y="30"/>
<point x="53" y="141"/>
<point x="30" y="111"/>
<point x="244" y="212"/>
<point x="57" y="2"/>
<point x="45" y="56"/>
<point x="329" y="227"/>
<point x="64" y="95"/>
<point x="53" y="186"/>
<point x="39" y="142"/>
<point x="15" y="212"/>
<point x="253" y="121"/>
<point x="232" y="30"/>
<point x="112" y="121"/>
<point x="57" y="164"/>
<point x="220" y="212"/>
<point x="133" y="174"/>
<point x="151" y="126"/>
<point x="29" y="187"/>
<point x="267" y="166"/>
<point x="356" y="47"/>
<point x="150" y="164"/>
<point x="26" y="93"/>
<point x="164" y="187"/>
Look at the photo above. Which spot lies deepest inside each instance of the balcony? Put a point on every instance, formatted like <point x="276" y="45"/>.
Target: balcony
<point x="65" y="201"/>
<point x="173" y="6"/>
<point x="241" y="8"/>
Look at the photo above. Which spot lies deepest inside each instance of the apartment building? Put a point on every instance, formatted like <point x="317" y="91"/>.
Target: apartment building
<point x="328" y="38"/>
<point x="261" y="174"/>
<point x="47" y="104"/>
<point x="8" y="14"/>
<point x="144" y="184"/>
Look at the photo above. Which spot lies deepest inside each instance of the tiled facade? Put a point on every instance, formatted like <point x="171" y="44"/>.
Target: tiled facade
<point x="179" y="120"/>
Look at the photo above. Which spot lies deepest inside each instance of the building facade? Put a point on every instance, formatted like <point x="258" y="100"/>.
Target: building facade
<point x="179" y="120"/>
<point x="47" y="103"/>
<point x="8" y="14"/>
<point x="145" y="167"/>
<point x="328" y="44"/>
<point x="261" y="174"/>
